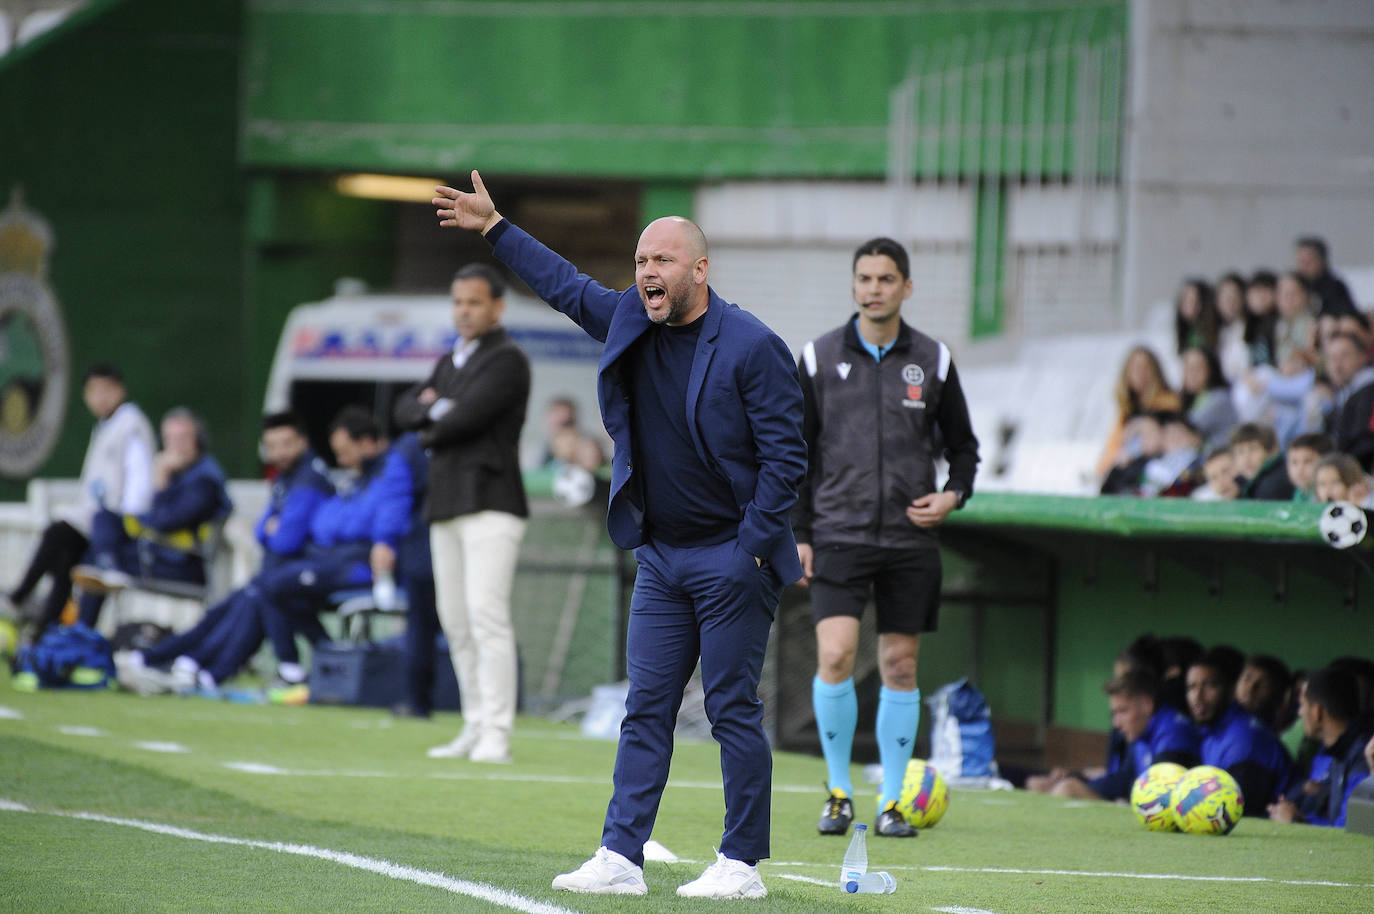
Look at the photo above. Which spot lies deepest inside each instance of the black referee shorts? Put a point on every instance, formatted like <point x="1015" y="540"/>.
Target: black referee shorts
<point x="903" y="583"/>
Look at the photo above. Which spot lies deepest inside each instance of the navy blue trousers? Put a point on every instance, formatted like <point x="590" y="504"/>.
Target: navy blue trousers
<point x="422" y="627"/>
<point x="221" y="642"/>
<point x="112" y="547"/>
<point x="290" y="596"/>
<point x="715" y="604"/>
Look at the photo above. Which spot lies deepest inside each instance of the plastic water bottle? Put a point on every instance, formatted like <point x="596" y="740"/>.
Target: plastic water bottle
<point x="856" y="858"/>
<point x="879" y="883"/>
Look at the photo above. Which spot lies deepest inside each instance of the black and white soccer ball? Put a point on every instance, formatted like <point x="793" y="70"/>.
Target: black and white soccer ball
<point x="1343" y="524"/>
<point x="573" y="486"/>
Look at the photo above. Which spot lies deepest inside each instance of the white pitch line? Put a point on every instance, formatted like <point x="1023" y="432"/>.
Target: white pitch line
<point x="72" y="730"/>
<point x="448" y="775"/>
<point x="958" y="910"/>
<point x="831" y="883"/>
<point x="10" y="714"/>
<point x="156" y="746"/>
<point x="492" y="894"/>
<point x="1020" y="872"/>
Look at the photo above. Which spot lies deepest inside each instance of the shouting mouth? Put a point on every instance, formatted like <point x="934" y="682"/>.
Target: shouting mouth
<point x="654" y="295"/>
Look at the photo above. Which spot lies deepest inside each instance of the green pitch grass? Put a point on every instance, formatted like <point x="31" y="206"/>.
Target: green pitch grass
<point x="355" y="781"/>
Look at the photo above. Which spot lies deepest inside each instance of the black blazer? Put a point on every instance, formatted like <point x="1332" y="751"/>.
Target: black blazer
<point x="475" y="447"/>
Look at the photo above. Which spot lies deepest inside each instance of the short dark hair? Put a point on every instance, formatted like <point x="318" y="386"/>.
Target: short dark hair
<point x="1179" y="651"/>
<point x="1320" y="442"/>
<point x="1337" y="691"/>
<point x="1350" y="338"/>
<point x="1217" y="453"/>
<point x="1137" y="682"/>
<point x="1316" y="243"/>
<point x="1143" y="654"/>
<point x="1273" y="668"/>
<point x="284" y="419"/>
<point x="357" y="421"/>
<point x="105" y="371"/>
<point x="1265" y="279"/>
<point x="1226" y="660"/>
<point x="884" y="247"/>
<point x="1261" y="434"/>
<point x="1178" y="419"/>
<point x="495" y="281"/>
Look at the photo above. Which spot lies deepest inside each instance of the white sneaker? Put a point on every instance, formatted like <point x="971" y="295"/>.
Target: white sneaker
<point x="607" y="873"/>
<point x="493" y="747"/>
<point x="725" y="878"/>
<point x="184" y="673"/>
<point x="460" y="747"/>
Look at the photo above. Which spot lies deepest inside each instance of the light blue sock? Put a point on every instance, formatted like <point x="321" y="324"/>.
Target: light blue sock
<point x="837" y="714"/>
<point x="899" y="713"/>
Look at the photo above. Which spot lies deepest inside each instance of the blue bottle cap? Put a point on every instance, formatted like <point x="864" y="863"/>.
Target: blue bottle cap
<point x="851" y="886"/>
<point x="859" y="826"/>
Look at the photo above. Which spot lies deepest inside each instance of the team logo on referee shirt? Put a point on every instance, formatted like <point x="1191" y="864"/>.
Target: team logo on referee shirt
<point x="914" y="378"/>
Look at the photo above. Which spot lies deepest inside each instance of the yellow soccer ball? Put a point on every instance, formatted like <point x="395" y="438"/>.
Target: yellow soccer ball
<point x="1207" y="801"/>
<point x="925" y="795"/>
<point x="1150" y="795"/>
<point x="9" y="638"/>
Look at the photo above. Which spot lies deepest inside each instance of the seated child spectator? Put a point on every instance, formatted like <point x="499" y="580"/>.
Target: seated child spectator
<point x="1178" y="470"/>
<point x="1143" y="441"/>
<point x="1301" y="460"/>
<point x="1329" y="709"/>
<point x="1232" y="738"/>
<point x="1255" y="449"/>
<point x="1219" y="474"/>
<point x="168" y="540"/>
<point x="1263" y="688"/>
<point x="1153" y="734"/>
<point x="1339" y="477"/>
<point x="1207" y="397"/>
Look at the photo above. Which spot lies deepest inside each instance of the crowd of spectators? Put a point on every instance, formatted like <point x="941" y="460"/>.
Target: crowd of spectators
<point x="1276" y="389"/>
<point x="1297" y="742"/>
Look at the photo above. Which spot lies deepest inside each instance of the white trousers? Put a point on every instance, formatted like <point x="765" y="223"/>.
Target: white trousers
<point x="474" y="565"/>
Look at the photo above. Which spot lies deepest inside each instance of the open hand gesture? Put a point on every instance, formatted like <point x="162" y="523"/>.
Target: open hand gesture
<point x="475" y="211"/>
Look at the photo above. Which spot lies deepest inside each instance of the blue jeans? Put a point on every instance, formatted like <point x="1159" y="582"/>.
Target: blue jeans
<point x="711" y="603"/>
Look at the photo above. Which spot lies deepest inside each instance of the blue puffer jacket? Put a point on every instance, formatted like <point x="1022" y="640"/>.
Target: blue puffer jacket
<point x="374" y="509"/>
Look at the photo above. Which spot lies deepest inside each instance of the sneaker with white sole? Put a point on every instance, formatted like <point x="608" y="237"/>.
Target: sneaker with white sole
<point x="97" y="580"/>
<point x="607" y="873"/>
<point x="725" y="878"/>
<point x="493" y="747"/>
<point x="460" y="747"/>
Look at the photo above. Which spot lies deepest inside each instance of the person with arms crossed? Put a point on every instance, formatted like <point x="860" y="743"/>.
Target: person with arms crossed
<point x="702" y="403"/>
<point x="882" y="403"/>
<point x="469" y="414"/>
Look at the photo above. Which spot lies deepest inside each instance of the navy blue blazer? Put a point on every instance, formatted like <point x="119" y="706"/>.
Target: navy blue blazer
<point x="744" y="402"/>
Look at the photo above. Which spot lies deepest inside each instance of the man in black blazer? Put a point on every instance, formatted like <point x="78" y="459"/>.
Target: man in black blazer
<point x="469" y="414"/>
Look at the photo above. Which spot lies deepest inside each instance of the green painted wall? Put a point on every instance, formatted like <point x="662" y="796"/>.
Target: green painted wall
<point x="121" y="128"/>
<point x="1062" y="584"/>
<point x="670" y="90"/>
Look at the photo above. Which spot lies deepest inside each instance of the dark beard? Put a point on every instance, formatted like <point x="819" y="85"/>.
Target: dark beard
<point x="679" y="303"/>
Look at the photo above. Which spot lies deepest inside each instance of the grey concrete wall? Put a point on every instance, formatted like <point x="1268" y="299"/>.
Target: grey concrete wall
<point x="1250" y="122"/>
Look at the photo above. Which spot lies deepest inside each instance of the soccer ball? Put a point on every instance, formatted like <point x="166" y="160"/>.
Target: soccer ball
<point x="925" y="795"/>
<point x="573" y="486"/>
<point x="1343" y="525"/>
<point x="1150" y="796"/>
<point x="1207" y="801"/>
